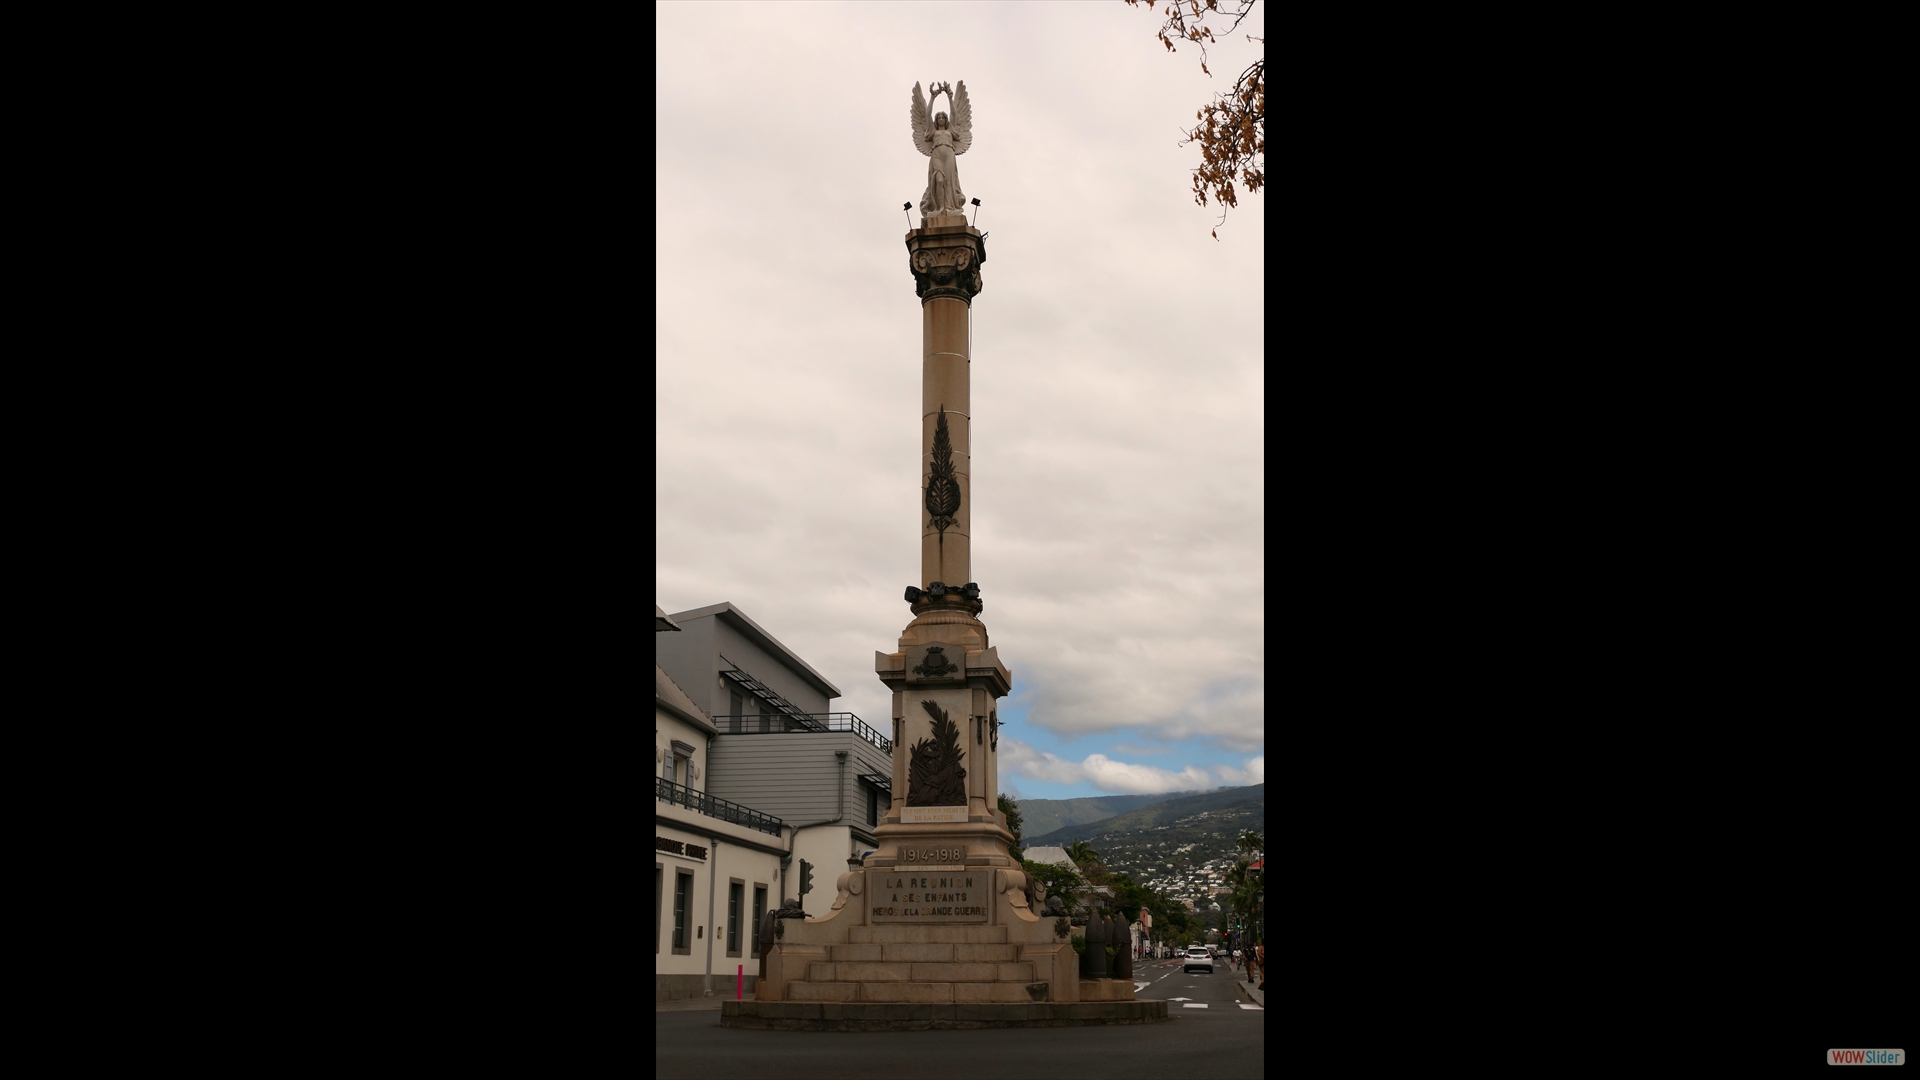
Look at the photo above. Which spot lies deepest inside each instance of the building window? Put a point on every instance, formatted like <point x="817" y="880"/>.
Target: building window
<point x="682" y="768"/>
<point x="759" y="915"/>
<point x="734" y="893"/>
<point x="733" y="715"/>
<point x="873" y="806"/>
<point x="656" y="906"/>
<point x="682" y="908"/>
<point x="766" y="722"/>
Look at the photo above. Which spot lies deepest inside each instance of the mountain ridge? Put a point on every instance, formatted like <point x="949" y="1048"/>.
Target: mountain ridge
<point x="1045" y="815"/>
<point x="1158" y="814"/>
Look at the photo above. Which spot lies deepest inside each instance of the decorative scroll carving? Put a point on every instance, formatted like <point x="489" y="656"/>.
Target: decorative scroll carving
<point x="1014" y="883"/>
<point x="946" y="265"/>
<point x="935" y="777"/>
<point x="851" y="883"/>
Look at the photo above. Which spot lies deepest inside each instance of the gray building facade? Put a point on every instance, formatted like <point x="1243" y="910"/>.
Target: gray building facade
<point x="779" y="747"/>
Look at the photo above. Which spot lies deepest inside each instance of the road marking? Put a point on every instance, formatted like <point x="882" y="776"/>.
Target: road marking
<point x="1137" y="987"/>
<point x="1179" y="999"/>
<point x="1194" y="1005"/>
<point x="1256" y="1008"/>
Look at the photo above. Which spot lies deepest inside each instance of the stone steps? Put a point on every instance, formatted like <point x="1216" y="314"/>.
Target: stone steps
<point x="914" y="993"/>
<point x="865" y="972"/>
<point x="925" y="953"/>
<point x="856" y="1016"/>
<point x="920" y="964"/>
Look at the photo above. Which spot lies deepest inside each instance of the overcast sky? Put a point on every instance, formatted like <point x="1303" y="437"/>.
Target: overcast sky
<point x="1117" y="373"/>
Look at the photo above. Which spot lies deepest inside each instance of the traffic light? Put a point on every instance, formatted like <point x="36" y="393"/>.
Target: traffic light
<point x="806" y="877"/>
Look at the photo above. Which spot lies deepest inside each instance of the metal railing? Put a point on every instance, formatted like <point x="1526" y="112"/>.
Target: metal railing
<point x="790" y="723"/>
<point x="666" y="791"/>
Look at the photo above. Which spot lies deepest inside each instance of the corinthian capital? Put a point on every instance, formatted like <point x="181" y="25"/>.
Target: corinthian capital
<point x="946" y="262"/>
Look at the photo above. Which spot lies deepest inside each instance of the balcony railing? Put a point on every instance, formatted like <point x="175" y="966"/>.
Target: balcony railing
<point x="792" y="723"/>
<point x="666" y="791"/>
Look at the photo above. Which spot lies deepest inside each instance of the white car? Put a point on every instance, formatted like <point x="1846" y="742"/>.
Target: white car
<point x="1197" y="957"/>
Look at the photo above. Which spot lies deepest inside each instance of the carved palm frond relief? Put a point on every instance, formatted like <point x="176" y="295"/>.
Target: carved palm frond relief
<point x="943" y="490"/>
<point x="935" y="776"/>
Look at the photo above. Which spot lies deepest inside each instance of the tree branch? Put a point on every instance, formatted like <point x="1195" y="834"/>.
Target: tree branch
<point x="1232" y="127"/>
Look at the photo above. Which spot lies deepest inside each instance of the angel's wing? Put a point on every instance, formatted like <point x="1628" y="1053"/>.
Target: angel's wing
<point x="962" y="122"/>
<point x="922" y="127"/>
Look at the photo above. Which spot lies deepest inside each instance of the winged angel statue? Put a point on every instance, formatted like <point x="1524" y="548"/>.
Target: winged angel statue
<point x="943" y="140"/>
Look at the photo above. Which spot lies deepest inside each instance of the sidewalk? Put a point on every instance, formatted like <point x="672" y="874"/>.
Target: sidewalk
<point x="1250" y="990"/>
<point x="697" y="1003"/>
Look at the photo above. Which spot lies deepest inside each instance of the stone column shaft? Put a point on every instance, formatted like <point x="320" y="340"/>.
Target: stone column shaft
<point x="946" y="555"/>
<point x="944" y="660"/>
<point x="945" y="259"/>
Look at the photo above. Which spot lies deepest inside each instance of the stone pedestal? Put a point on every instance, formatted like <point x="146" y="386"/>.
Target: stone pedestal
<point x="926" y="936"/>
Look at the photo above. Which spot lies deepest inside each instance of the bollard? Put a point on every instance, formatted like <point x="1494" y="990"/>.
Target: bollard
<point x="739" y="982"/>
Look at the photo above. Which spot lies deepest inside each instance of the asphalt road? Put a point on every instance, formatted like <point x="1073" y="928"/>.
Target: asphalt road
<point x="1231" y="1041"/>
<point x="1186" y="994"/>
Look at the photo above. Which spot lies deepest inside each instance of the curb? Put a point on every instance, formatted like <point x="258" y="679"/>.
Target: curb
<point x="883" y="1016"/>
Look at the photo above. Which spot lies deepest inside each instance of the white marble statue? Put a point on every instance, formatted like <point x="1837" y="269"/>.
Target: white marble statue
<point x="943" y="140"/>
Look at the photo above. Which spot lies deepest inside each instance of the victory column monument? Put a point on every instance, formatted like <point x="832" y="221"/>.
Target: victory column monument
<point x="937" y="927"/>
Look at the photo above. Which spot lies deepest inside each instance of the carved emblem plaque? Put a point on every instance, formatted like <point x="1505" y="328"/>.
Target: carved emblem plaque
<point x="936" y="664"/>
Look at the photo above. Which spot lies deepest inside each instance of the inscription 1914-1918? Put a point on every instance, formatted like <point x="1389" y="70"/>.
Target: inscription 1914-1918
<point x="931" y="897"/>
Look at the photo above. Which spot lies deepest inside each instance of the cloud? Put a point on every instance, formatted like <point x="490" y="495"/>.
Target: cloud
<point x="1254" y="773"/>
<point x="1119" y="777"/>
<point x="1117" y="466"/>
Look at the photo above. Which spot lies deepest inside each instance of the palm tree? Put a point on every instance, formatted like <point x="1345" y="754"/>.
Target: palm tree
<point x="1082" y="853"/>
<point x="1249" y="890"/>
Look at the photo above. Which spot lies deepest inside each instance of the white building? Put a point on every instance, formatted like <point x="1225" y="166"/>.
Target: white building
<point x="716" y="864"/>
<point x="755" y="777"/>
<point x="1055" y="856"/>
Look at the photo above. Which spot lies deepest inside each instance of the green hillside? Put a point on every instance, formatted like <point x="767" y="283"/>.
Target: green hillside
<point x="1045" y="815"/>
<point x="1182" y="847"/>
<point x="1244" y="801"/>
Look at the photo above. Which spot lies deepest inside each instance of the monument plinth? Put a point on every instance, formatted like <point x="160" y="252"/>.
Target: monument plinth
<point x="940" y="913"/>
